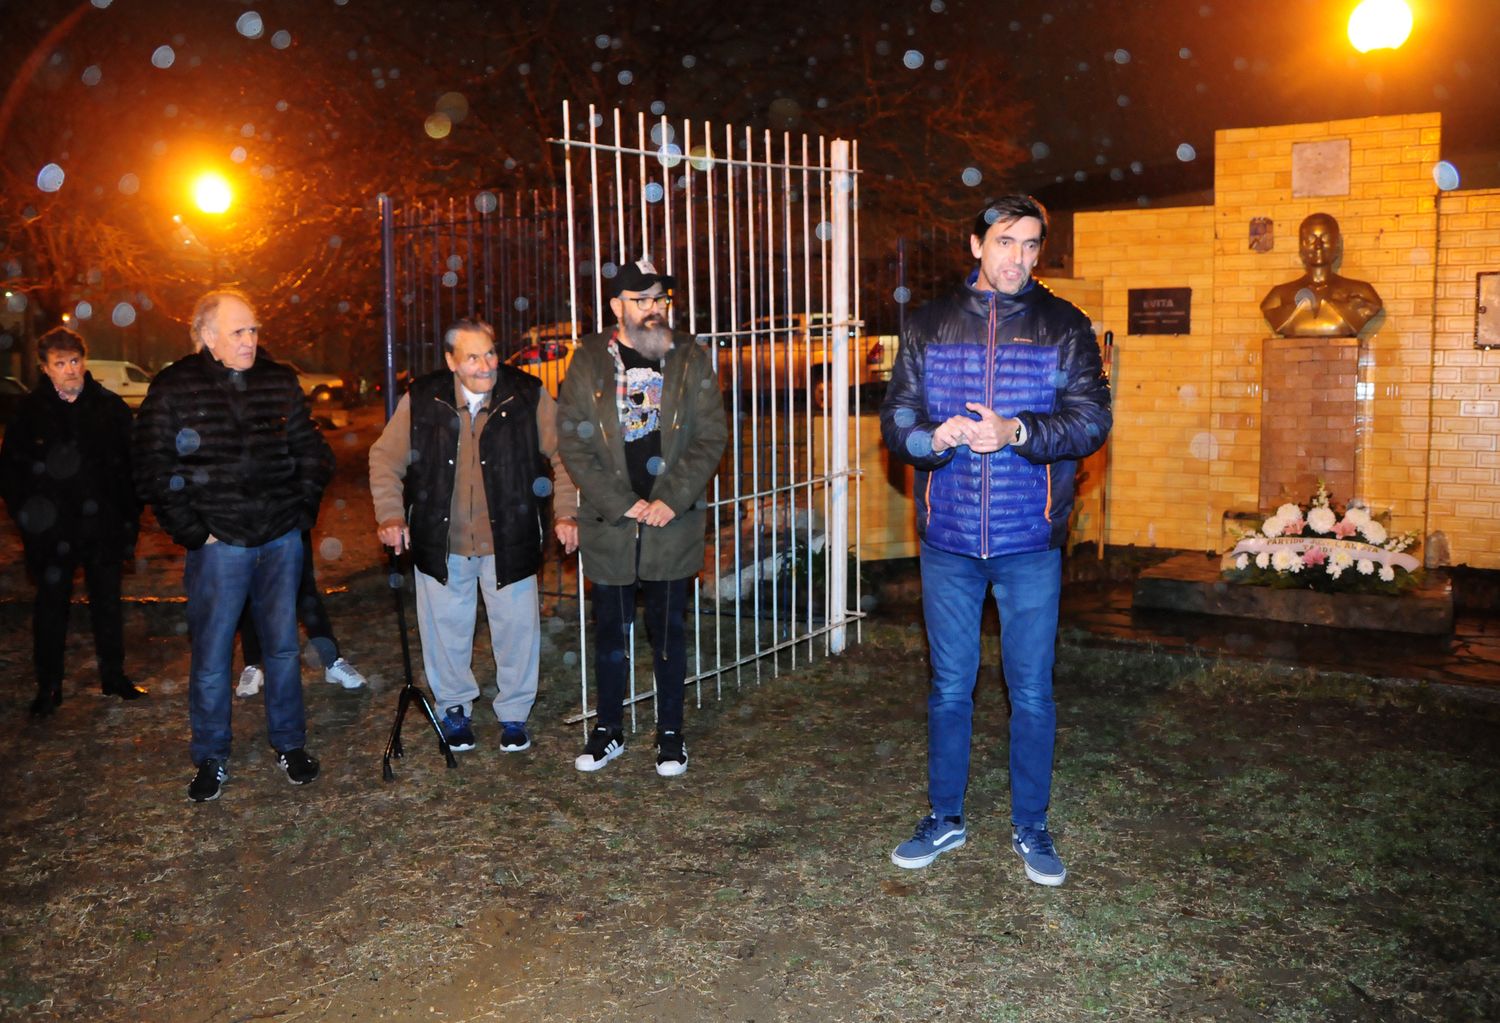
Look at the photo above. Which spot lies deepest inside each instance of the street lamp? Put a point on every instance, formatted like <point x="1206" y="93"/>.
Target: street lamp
<point x="1379" y="25"/>
<point x="212" y="193"/>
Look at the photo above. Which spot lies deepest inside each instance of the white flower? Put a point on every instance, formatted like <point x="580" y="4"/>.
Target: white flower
<point x="1262" y="559"/>
<point x="1387" y="574"/>
<point x="1321" y="520"/>
<point x="1343" y="559"/>
<point x="1335" y="570"/>
<point x="1356" y="516"/>
<point x="1365" y="566"/>
<point x="1283" y="561"/>
<point x="1373" y="531"/>
<point x="1242" y="562"/>
<point x="1273" y="526"/>
<point x="1289" y="512"/>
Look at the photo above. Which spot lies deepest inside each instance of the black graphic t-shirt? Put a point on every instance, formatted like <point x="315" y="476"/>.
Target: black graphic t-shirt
<point x="640" y="419"/>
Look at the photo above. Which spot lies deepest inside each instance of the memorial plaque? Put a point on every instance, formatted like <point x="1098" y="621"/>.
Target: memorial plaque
<point x="1320" y="168"/>
<point x="1159" y="310"/>
<point x="1487" y="310"/>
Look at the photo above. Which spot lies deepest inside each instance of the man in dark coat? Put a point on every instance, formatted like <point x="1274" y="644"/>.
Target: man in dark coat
<point x="641" y="427"/>
<point x="997" y="392"/>
<point x="65" y="471"/>
<point x="230" y="459"/>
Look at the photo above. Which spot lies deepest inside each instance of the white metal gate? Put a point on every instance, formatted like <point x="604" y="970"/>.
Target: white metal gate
<point x="762" y="237"/>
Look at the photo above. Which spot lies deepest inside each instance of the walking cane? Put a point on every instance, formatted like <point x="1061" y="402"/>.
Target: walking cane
<point x="409" y="693"/>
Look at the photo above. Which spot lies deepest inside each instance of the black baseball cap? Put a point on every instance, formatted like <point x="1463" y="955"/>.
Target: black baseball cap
<point x="639" y="276"/>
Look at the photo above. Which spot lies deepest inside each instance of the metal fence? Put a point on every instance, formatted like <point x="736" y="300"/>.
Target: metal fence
<point x="761" y="234"/>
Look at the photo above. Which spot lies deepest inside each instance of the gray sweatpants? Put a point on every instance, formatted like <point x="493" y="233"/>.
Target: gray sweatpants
<point x="445" y="620"/>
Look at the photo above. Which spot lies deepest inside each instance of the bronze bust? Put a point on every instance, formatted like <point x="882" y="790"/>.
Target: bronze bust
<point x="1320" y="303"/>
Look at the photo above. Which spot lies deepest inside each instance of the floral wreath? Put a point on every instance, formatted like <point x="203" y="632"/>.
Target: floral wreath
<point x="1316" y="548"/>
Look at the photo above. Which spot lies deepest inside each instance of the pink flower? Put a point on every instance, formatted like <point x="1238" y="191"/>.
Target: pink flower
<point x="1314" y="556"/>
<point x="1344" y="529"/>
<point x="1293" y="528"/>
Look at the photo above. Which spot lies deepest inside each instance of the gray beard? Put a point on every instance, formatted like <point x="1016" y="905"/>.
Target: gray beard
<point x="651" y="342"/>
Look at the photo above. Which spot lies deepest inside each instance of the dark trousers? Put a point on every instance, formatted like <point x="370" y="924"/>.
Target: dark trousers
<point x="310" y="612"/>
<point x="54" y="573"/>
<point x="614" y="612"/>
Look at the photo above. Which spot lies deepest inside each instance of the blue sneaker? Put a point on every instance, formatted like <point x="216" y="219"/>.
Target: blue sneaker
<point x="1034" y="846"/>
<point x="513" y="737"/>
<point x="458" y="730"/>
<point x="934" y="836"/>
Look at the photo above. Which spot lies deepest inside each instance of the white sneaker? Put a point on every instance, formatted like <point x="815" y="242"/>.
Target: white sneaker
<point x="251" y="681"/>
<point x="342" y="673"/>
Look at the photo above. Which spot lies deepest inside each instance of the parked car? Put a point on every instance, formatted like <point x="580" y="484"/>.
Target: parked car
<point x="794" y="350"/>
<point x="126" y="379"/>
<point x="319" y="387"/>
<point x="545" y="351"/>
<point x="12" y="393"/>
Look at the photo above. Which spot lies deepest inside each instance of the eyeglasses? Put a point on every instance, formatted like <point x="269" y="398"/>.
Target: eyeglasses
<point x="645" y="302"/>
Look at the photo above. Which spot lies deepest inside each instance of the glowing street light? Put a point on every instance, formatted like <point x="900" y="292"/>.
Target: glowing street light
<point x="212" y="193"/>
<point x="1380" y="25"/>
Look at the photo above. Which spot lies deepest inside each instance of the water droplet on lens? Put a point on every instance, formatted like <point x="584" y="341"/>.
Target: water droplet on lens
<point x="912" y="59"/>
<point x="1186" y="153"/>
<point x="123" y="314"/>
<point x="50" y="178"/>
<point x="249" y="25"/>
<point x="188" y="441"/>
<point x="541" y="486"/>
<point x="163" y="57"/>
<point x="971" y="176"/>
<point x="1445" y="176"/>
<point x="331" y="548"/>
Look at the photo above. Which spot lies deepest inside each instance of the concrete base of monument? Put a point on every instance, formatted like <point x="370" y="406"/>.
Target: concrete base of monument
<point x="1191" y="582"/>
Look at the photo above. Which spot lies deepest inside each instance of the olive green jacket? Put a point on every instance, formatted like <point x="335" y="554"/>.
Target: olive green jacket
<point x="693" y="433"/>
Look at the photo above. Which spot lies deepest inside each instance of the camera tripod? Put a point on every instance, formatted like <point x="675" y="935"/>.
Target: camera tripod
<point x="410" y="694"/>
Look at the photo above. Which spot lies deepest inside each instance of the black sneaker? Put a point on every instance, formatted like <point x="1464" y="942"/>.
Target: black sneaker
<point x="603" y="746"/>
<point x="209" y="781"/>
<point x="671" y="754"/>
<point x="299" y="765"/>
<point x="458" y="729"/>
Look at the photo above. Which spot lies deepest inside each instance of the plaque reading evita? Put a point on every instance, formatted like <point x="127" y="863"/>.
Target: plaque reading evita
<point x="1159" y="310"/>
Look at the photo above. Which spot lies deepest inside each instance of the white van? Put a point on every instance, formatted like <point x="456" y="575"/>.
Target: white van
<point x="126" y="379"/>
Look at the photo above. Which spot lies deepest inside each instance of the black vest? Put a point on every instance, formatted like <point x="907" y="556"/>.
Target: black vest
<point x="516" y="477"/>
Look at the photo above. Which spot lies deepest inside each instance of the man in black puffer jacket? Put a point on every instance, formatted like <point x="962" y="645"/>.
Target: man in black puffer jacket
<point x="65" y="474"/>
<point x="228" y="456"/>
<point x="997" y="391"/>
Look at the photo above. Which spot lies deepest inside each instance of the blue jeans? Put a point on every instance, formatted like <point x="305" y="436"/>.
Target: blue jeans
<point x="1026" y="588"/>
<point x="219" y="578"/>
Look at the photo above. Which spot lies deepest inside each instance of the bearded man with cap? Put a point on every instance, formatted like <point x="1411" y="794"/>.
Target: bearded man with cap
<point x="641" y="429"/>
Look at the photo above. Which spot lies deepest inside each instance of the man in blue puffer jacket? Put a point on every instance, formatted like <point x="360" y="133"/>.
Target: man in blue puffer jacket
<point x="997" y="391"/>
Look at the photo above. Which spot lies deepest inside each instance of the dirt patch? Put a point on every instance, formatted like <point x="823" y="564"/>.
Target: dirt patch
<point x="1243" y="843"/>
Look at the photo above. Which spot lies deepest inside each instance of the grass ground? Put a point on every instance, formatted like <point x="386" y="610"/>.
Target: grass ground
<point x="1243" y="843"/>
